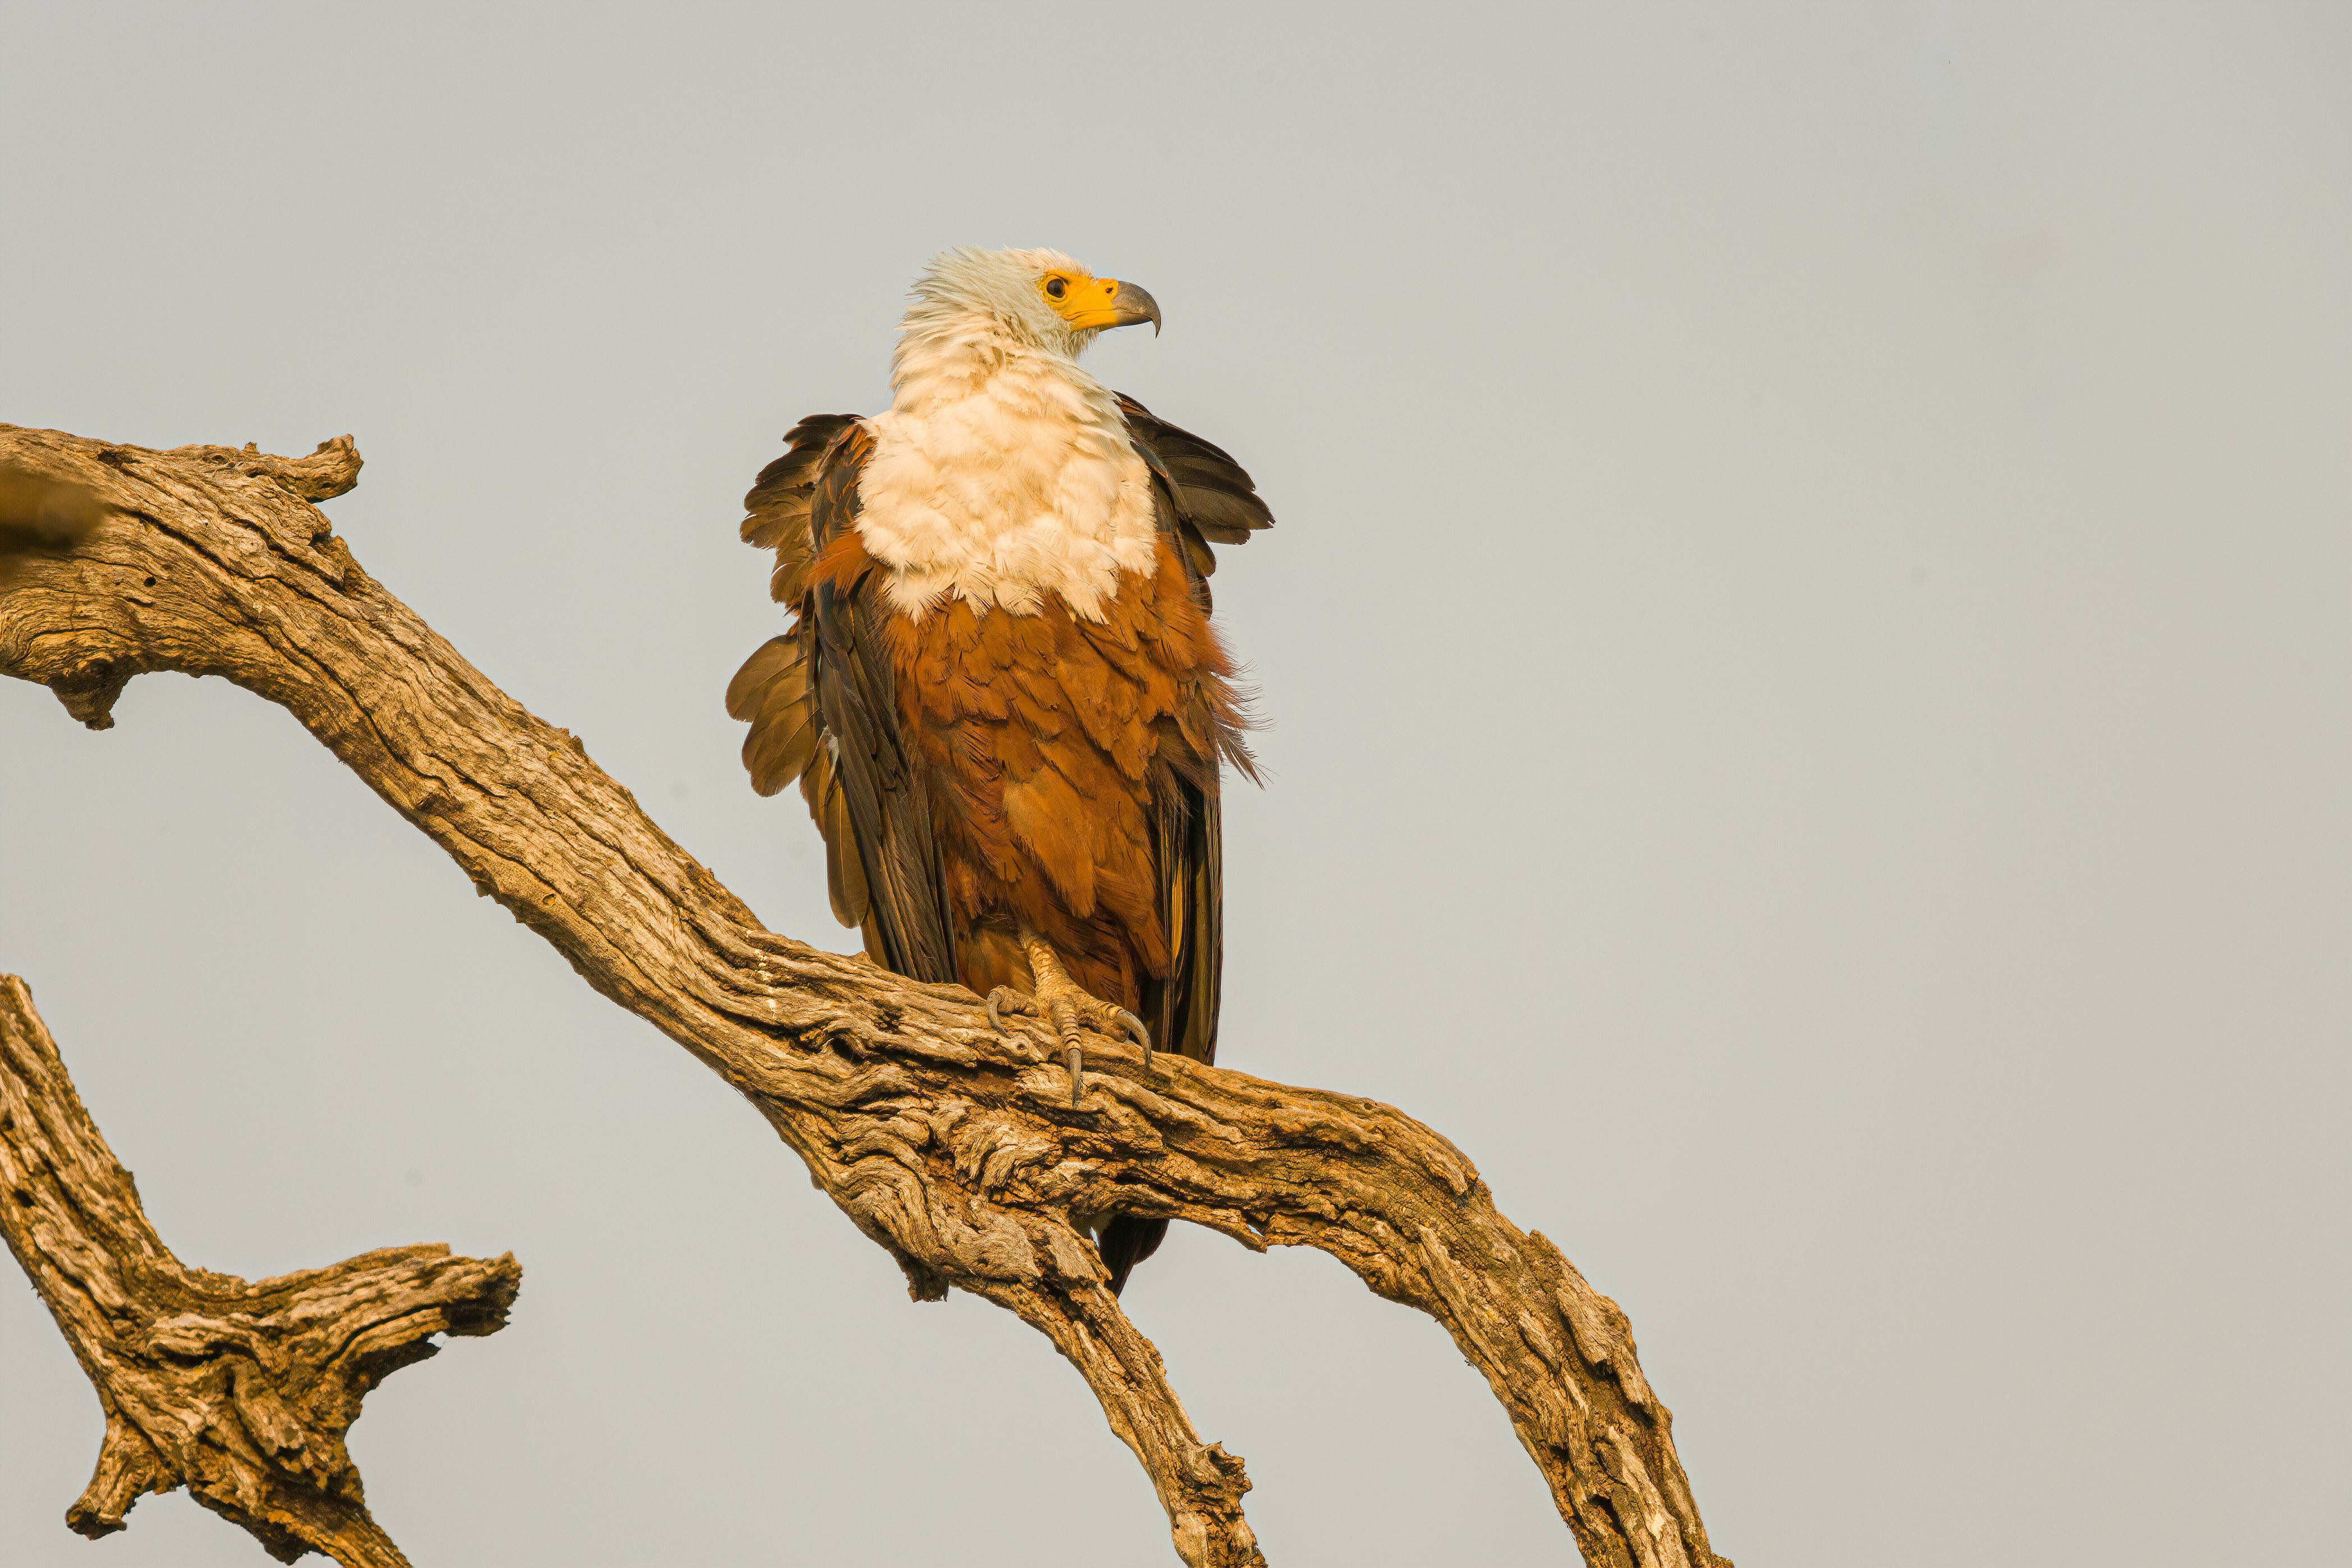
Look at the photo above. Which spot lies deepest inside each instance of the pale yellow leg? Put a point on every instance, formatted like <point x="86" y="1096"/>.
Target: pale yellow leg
<point x="1059" y="1000"/>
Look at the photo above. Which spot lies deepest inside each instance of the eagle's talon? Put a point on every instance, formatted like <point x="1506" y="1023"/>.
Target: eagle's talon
<point x="1063" y="1004"/>
<point x="1135" y="1026"/>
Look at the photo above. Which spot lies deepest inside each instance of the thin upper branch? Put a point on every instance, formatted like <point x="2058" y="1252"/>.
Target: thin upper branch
<point x="954" y="1148"/>
<point x="241" y="1393"/>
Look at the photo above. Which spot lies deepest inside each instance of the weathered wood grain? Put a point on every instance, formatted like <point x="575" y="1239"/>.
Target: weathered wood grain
<point x="239" y="1392"/>
<point x="954" y="1148"/>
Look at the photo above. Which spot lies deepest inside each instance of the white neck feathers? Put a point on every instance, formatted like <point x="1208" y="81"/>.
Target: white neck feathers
<point x="1002" y="473"/>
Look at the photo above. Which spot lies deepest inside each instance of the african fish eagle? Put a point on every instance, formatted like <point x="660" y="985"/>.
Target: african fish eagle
<point x="1001" y="690"/>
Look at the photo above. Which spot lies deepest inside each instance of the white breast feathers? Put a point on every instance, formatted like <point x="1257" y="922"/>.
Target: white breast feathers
<point x="1000" y="474"/>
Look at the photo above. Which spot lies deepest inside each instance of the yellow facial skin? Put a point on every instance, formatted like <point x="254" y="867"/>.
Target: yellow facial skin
<point x="1081" y="300"/>
<point x="1087" y="302"/>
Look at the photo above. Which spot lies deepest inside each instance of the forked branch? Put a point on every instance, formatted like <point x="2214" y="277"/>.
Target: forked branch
<point x="954" y="1148"/>
<point x="239" y="1392"/>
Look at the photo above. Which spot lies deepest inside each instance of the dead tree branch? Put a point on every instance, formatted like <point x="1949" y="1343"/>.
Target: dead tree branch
<point x="239" y="1392"/>
<point x="954" y="1148"/>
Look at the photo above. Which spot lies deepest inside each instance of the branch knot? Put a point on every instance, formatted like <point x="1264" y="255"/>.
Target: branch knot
<point x="330" y="470"/>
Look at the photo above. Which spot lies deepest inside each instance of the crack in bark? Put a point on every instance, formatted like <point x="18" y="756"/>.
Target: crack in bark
<point x="954" y="1148"/>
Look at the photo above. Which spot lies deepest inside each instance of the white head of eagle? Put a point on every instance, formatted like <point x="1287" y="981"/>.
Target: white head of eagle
<point x="1001" y="472"/>
<point x="1039" y="297"/>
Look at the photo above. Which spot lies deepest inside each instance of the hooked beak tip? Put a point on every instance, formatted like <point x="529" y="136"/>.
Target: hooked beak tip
<point x="1132" y="304"/>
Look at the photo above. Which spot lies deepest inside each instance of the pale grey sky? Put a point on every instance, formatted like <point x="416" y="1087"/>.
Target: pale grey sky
<point x="1806" y="667"/>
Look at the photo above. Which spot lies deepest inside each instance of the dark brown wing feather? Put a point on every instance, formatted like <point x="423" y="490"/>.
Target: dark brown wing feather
<point x="887" y="805"/>
<point x="1215" y="499"/>
<point x="778" y="506"/>
<point x="820" y="703"/>
<point x="1181" y="1009"/>
<point x="1202" y="496"/>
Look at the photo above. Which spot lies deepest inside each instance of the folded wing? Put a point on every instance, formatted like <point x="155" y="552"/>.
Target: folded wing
<point x="1204" y="497"/>
<point x="821" y="707"/>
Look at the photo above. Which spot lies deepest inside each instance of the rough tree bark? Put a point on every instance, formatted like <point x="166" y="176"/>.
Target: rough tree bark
<point x="241" y="1393"/>
<point x="952" y="1147"/>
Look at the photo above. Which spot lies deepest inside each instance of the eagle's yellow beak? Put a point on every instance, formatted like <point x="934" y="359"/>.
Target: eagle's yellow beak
<point x="1091" y="302"/>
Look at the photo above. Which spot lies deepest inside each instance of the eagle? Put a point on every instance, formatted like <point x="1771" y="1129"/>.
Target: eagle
<point x="1000" y="689"/>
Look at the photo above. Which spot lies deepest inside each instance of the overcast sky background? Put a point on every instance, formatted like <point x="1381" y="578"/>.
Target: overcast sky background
<point x="1806" y="672"/>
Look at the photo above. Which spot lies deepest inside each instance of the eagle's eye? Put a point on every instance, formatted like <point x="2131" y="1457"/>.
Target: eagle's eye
<point x="1056" y="287"/>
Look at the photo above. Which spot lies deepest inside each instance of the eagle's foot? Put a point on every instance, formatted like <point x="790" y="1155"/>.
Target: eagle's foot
<point x="1060" y="1001"/>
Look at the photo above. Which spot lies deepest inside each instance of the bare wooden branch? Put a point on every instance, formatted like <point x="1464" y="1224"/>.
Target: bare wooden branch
<point x="954" y="1148"/>
<point x="239" y="1392"/>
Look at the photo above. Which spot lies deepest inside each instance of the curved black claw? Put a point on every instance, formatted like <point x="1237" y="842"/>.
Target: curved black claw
<point x="1063" y="1006"/>
<point x="1143" y="1035"/>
